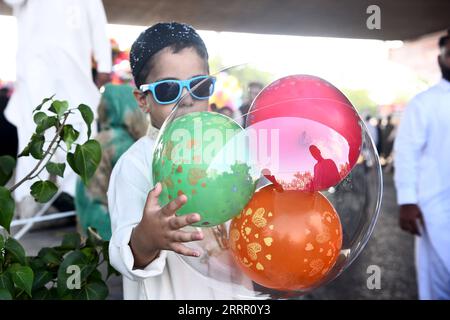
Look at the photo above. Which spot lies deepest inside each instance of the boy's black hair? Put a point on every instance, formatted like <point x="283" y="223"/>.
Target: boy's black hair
<point x="173" y="35"/>
<point x="444" y="39"/>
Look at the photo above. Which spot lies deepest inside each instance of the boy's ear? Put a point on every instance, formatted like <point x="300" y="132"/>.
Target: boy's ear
<point x="141" y="100"/>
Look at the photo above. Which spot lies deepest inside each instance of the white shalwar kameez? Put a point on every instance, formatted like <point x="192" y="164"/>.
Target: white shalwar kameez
<point x="56" y="42"/>
<point x="168" y="276"/>
<point x="422" y="176"/>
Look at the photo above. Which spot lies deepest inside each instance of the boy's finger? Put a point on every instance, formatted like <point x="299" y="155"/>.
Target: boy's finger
<point x="152" y="197"/>
<point x="182" y="249"/>
<point x="182" y="236"/>
<point x="176" y="223"/>
<point x="170" y="208"/>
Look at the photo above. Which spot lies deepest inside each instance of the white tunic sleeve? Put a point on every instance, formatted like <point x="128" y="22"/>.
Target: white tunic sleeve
<point x="409" y="143"/>
<point x="100" y="42"/>
<point x="129" y="185"/>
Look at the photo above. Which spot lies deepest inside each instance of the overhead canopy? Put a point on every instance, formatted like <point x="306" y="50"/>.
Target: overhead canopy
<point x="400" y="19"/>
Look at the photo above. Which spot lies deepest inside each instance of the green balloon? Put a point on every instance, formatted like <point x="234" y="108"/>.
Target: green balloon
<point x="201" y="155"/>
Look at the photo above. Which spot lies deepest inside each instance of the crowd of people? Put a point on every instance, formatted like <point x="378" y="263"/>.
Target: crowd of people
<point x="382" y="131"/>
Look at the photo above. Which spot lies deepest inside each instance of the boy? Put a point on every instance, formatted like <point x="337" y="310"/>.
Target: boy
<point x="146" y="238"/>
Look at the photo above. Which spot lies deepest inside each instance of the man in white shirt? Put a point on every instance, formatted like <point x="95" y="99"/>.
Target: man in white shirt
<point x="422" y="179"/>
<point x="56" y="42"/>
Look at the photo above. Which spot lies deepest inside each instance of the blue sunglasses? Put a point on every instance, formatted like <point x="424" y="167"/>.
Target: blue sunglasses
<point x="169" y="91"/>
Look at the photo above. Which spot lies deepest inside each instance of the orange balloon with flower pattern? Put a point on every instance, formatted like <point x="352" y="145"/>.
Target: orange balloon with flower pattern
<point x="286" y="240"/>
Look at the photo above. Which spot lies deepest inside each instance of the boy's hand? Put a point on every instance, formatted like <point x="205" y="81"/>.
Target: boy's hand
<point x="159" y="230"/>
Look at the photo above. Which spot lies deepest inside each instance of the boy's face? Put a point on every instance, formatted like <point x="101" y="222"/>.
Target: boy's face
<point x="182" y="65"/>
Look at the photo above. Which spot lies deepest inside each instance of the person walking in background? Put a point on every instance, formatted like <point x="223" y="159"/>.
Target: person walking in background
<point x="422" y="180"/>
<point x="56" y="40"/>
<point x="372" y="128"/>
<point x="7" y="131"/>
<point x="226" y="111"/>
<point x="388" y="136"/>
<point x="254" y="88"/>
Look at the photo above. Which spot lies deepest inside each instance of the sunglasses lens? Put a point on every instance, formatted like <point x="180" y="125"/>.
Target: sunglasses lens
<point x="202" y="88"/>
<point x="167" y="91"/>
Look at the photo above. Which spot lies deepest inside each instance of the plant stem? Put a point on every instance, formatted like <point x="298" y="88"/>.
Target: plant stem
<point x="51" y="155"/>
<point x="29" y="176"/>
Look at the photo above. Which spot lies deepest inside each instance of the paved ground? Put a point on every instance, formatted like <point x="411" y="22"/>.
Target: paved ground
<point x="389" y="248"/>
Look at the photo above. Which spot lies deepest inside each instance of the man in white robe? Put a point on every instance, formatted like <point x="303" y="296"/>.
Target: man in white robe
<point x="56" y="42"/>
<point x="422" y="179"/>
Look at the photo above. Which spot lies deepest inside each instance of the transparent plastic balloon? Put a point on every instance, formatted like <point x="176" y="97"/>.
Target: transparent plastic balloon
<point x="312" y="193"/>
<point x="203" y="155"/>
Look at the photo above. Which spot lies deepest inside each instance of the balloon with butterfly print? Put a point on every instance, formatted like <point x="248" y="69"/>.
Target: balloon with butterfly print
<point x="286" y="240"/>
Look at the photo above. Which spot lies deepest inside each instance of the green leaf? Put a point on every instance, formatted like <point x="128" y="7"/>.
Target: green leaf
<point x="41" y="278"/>
<point x="56" y="168"/>
<point x="59" y="107"/>
<point x="88" y="116"/>
<point x="46" y="123"/>
<point x="15" y="250"/>
<point x="105" y="251"/>
<point x="7" y="165"/>
<point x="50" y="256"/>
<point x="36" y="146"/>
<point x="7" y="206"/>
<point x="73" y="258"/>
<point x="43" y="191"/>
<point x="91" y="254"/>
<point x="86" y="159"/>
<point x="71" y="161"/>
<point x="69" y="135"/>
<point x="93" y="239"/>
<point x="42" y="103"/>
<point x="45" y="294"/>
<point x="22" y="277"/>
<point x="112" y="271"/>
<point x="95" y="276"/>
<point x="96" y="290"/>
<point x="25" y="152"/>
<point x="71" y="241"/>
<point x="5" y="294"/>
<point x="37" y="264"/>
<point x="6" y="282"/>
<point x="39" y="117"/>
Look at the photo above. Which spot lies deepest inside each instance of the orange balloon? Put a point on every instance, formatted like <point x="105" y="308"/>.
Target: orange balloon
<point x="286" y="240"/>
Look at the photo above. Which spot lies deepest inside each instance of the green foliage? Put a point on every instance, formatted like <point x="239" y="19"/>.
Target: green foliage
<point x="56" y="169"/>
<point x="86" y="159"/>
<point x="59" y="107"/>
<point x="7" y="164"/>
<point x="69" y="135"/>
<point x="88" y="116"/>
<point x="7" y="206"/>
<point x="43" y="191"/>
<point x="48" y="275"/>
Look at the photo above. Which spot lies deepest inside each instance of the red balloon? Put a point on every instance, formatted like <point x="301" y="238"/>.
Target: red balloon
<point x="308" y="134"/>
